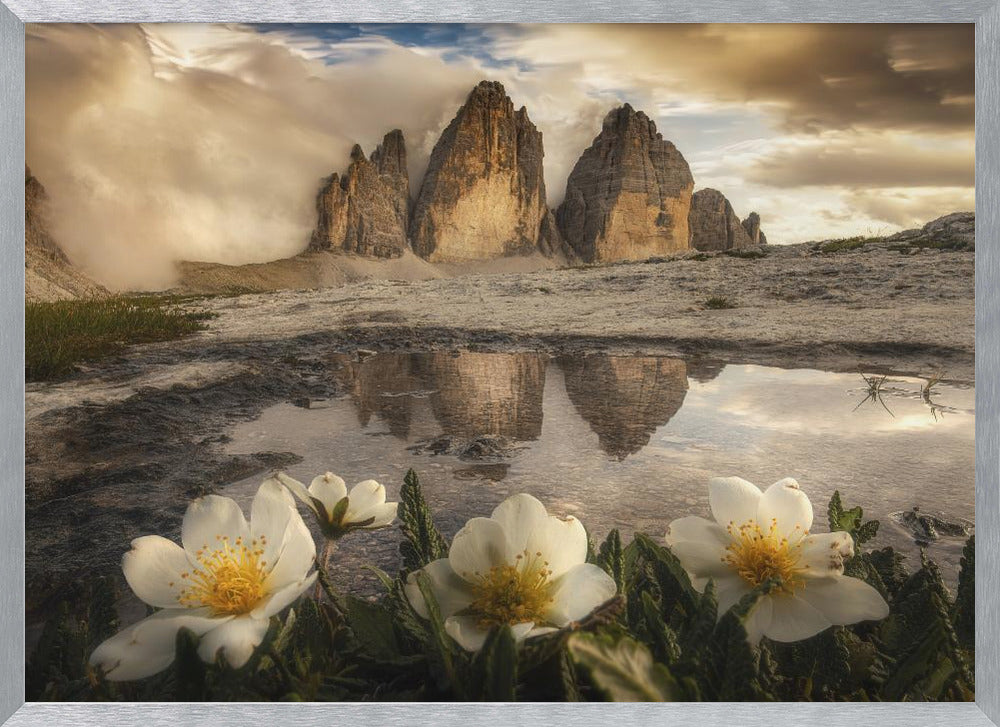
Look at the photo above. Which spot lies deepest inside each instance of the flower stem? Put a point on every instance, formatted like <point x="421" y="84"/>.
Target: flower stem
<point x="323" y="583"/>
<point x="286" y="675"/>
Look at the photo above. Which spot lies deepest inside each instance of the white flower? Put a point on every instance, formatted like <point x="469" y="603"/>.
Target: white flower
<point x="224" y="584"/>
<point x="520" y="567"/>
<point x="759" y="536"/>
<point x="339" y="512"/>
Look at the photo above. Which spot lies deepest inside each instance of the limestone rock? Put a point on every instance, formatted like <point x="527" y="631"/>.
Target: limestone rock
<point x="752" y="226"/>
<point x="484" y="194"/>
<point x="956" y="231"/>
<point x="366" y="210"/>
<point x="36" y="232"/>
<point x="714" y="225"/>
<point x="629" y="194"/>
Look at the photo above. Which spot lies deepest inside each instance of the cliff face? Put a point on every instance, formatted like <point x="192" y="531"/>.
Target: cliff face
<point x="483" y="195"/>
<point x="752" y="226"/>
<point x="366" y="210"/>
<point x="629" y="194"/>
<point x="48" y="273"/>
<point x="714" y="224"/>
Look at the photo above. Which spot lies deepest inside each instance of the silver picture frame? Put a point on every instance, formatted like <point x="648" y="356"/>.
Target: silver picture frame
<point x="985" y="14"/>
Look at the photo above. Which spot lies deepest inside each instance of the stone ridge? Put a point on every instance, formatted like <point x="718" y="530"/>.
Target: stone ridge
<point x="629" y="194"/>
<point x="483" y="195"/>
<point x="366" y="210"/>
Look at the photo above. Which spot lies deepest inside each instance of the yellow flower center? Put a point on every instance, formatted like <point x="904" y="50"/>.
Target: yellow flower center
<point x="513" y="594"/>
<point x="759" y="555"/>
<point x="230" y="578"/>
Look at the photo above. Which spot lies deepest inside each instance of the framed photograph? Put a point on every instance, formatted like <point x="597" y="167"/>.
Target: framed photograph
<point x="439" y="364"/>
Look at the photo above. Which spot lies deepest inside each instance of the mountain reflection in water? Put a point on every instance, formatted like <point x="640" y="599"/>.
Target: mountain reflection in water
<point x="625" y="442"/>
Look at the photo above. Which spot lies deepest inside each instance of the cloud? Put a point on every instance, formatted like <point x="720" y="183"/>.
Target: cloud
<point x="168" y="142"/>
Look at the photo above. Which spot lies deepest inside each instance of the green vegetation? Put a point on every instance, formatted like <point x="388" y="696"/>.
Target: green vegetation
<point x="660" y="638"/>
<point x="849" y="243"/>
<point x="940" y="243"/>
<point x="719" y="302"/>
<point x="61" y="334"/>
<point x="746" y="254"/>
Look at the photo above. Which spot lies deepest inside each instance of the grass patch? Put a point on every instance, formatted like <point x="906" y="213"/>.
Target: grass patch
<point x="745" y="254"/>
<point x="700" y="257"/>
<point x="61" y="334"/>
<point x="719" y="302"/>
<point x="940" y="243"/>
<point x="849" y="243"/>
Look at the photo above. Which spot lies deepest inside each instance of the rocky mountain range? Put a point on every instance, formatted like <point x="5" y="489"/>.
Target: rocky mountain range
<point x="629" y="196"/>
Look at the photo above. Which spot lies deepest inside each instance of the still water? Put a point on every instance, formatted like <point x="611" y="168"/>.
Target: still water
<point x="625" y="442"/>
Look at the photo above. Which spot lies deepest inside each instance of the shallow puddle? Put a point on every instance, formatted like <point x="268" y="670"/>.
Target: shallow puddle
<point x="626" y="442"/>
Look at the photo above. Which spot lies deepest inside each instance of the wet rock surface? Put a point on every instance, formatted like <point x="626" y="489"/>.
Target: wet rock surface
<point x="926" y="527"/>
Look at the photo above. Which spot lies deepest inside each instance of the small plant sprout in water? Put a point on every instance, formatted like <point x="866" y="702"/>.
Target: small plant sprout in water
<point x="925" y="394"/>
<point x="874" y="393"/>
<point x="763" y="540"/>
<point x="224" y="585"/>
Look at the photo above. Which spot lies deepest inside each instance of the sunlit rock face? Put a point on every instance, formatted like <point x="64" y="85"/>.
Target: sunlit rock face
<point x="752" y="226"/>
<point x="714" y="224"/>
<point x="625" y="399"/>
<point x="487" y="393"/>
<point x="366" y="210"/>
<point x="629" y="194"/>
<point x="484" y="194"/>
<point x="36" y="233"/>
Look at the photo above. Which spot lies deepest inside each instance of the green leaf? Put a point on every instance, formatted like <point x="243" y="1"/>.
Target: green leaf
<point x="623" y="670"/>
<point x="423" y="542"/>
<point x="965" y="598"/>
<point x="675" y="585"/>
<point x="611" y="558"/>
<point x="494" y="667"/>
<point x="373" y="628"/>
<point x="850" y="521"/>
<point x="189" y="669"/>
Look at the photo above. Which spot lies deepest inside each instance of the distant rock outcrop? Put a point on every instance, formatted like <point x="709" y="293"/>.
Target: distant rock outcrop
<point x="956" y="231"/>
<point x="366" y="210"/>
<point x="714" y="224"/>
<point x="484" y="194"/>
<point x="752" y="225"/>
<point x="629" y="194"/>
<point x="48" y="273"/>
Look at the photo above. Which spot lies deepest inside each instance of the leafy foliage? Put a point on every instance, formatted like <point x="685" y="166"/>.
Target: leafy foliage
<point x="659" y="639"/>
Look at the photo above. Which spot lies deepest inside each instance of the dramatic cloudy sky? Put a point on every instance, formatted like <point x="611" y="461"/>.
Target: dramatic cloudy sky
<point x="169" y="142"/>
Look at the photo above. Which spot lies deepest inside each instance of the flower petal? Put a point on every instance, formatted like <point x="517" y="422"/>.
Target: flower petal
<point x="729" y="590"/>
<point x="786" y="505"/>
<point x="477" y="547"/>
<point x="697" y="529"/>
<point x="362" y="501"/>
<point x="297" y="556"/>
<point x="793" y="619"/>
<point x="845" y="600"/>
<point x="704" y="560"/>
<point x="527" y="630"/>
<point x="279" y="599"/>
<point x="270" y="513"/>
<point x="733" y="500"/>
<point x="520" y="516"/>
<point x="297" y="489"/>
<point x="466" y="631"/>
<point x="384" y="515"/>
<point x="153" y="570"/>
<point x="328" y="489"/>
<point x="208" y="521"/>
<point x="823" y="555"/>
<point x="758" y="621"/>
<point x="452" y="593"/>
<point x="149" y="646"/>
<point x="582" y="589"/>
<point x="237" y="639"/>
<point x="561" y="541"/>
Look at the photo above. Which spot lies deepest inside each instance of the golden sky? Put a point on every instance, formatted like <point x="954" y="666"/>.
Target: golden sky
<point x="170" y="142"/>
